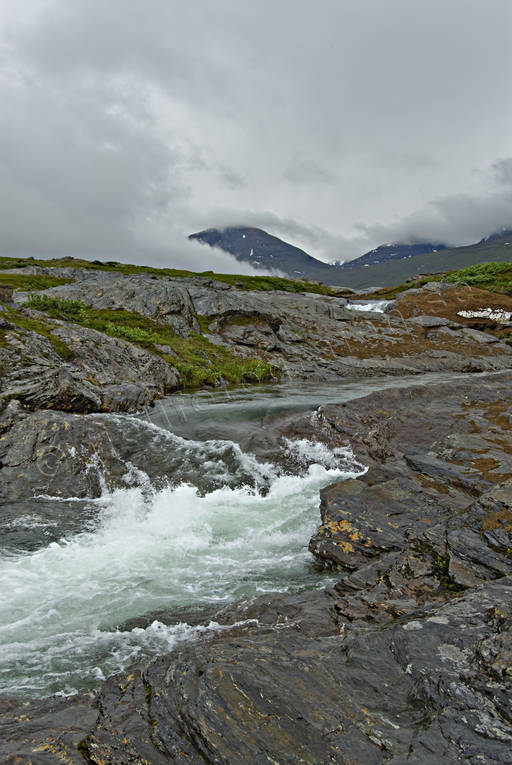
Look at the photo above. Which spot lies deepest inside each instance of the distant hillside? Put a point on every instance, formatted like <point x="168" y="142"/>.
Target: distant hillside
<point x="497" y="249"/>
<point x="394" y="251"/>
<point x="262" y="250"/>
<point x="504" y="233"/>
<point x="255" y="246"/>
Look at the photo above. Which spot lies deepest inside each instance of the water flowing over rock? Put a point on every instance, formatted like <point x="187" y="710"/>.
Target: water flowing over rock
<point x="404" y="658"/>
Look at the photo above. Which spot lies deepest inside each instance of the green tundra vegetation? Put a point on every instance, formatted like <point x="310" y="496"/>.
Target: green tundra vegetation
<point x="493" y="277"/>
<point x="252" y="283"/>
<point x="18" y="319"/>
<point x="31" y="282"/>
<point x="199" y="361"/>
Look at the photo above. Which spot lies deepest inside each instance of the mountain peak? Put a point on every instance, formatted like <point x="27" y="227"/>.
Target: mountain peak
<point x="393" y="251"/>
<point x="504" y="231"/>
<point x="262" y="250"/>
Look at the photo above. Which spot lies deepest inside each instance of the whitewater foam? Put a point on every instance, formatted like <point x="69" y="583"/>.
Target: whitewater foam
<point x="154" y="548"/>
<point x="372" y="306"/>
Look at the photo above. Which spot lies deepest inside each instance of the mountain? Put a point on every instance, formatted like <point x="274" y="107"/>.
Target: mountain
<point x="504" y="232"/>
<point x="262" y="250"/>
<point x="497" y="249"/>
<point x="394" y="251"/>
<point x="255" y="246"/>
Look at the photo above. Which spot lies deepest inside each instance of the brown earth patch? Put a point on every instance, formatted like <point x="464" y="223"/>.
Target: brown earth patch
<point x="502" y="518"/>
<point x="414" y="342"/>
<point x="451" y="300"/>
<point x="495" y="413"/>
<point x="430" y="483"/>
<point x="487" y="467"/>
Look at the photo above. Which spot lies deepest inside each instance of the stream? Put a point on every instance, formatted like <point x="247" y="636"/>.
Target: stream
<point x="229" y="524"/>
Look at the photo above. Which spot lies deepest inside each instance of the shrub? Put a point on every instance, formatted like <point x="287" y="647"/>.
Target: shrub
<point x="56" y="306"/>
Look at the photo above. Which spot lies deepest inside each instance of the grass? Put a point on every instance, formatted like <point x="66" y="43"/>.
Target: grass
<point x="199" y="361"/>
<point x="251" y="283"/>
<point x="17" y="319"/>
<point x="31" y="282"/>
<point x="493" y="277"/>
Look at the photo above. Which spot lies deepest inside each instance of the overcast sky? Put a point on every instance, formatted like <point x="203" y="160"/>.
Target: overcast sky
<point x="336" y="124"/>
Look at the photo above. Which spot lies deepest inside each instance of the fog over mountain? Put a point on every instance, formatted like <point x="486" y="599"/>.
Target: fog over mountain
<point x="127" y="125"/>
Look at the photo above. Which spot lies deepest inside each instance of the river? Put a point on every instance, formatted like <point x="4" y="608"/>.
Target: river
<point x="230" y="523"/>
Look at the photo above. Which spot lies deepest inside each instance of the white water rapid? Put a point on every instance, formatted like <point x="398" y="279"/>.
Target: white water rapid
<point x="154" y="547"/>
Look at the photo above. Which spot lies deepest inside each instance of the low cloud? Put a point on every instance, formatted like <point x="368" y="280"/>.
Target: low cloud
<point x="124" y="130"/>
<point x="303" y="171"/>
<point x="455" y="219"/>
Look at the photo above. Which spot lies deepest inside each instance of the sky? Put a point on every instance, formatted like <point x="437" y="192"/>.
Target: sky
<point x="337" y="125"/>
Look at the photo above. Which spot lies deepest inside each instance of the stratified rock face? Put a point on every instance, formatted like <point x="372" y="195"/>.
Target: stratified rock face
<point x="102" y="373"/>
<point x="407" y="659"/>
<point x="54" y="453"/>
<point x="435" y="465"/>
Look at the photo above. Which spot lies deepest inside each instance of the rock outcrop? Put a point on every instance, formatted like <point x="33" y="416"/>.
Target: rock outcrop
<point x="97" y="372"/>
<point x="407" y="659"/>
<point x="303" y="336"/>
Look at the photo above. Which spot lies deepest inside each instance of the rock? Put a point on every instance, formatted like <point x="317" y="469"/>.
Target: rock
<point x="479" y="337"/>
<point x="405" y="659"/>
<point x="62" y="388"/>
<point x="161" y="299"/>
<point x="287" y="335"/>
<point x="56" y="454"/>
<point x="166" y="349"/>
<point x="126" y="397"/>
<point x="111" y="361"/>
<point x="307" y="336"/>
<point x="438" y="287"/>
<point x="102" y="373"/>
<point x="45" y="731"/>
<point x="430" y="321"/>
<point x="435" y="684"/>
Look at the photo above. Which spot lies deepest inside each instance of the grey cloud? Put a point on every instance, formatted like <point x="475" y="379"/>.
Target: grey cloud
<point x="306" y="171"/>
<point x="231" y="179"/>
<point x="455" y="219"/>
<point x="128" y="125"/>
<point x="502" y="170"/>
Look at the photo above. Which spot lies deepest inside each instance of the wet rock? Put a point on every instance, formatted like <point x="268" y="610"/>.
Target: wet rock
<point x="434" y="684"/>
<point x="45" y="731"/>
<point x="100" y="372"/>
<point x="56" y="454"/>
<point x="422" y="504"/>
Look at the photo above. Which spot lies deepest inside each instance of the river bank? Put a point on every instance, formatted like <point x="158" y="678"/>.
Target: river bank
<point x="402" y="658"/>
<point x="104" y="341"/>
